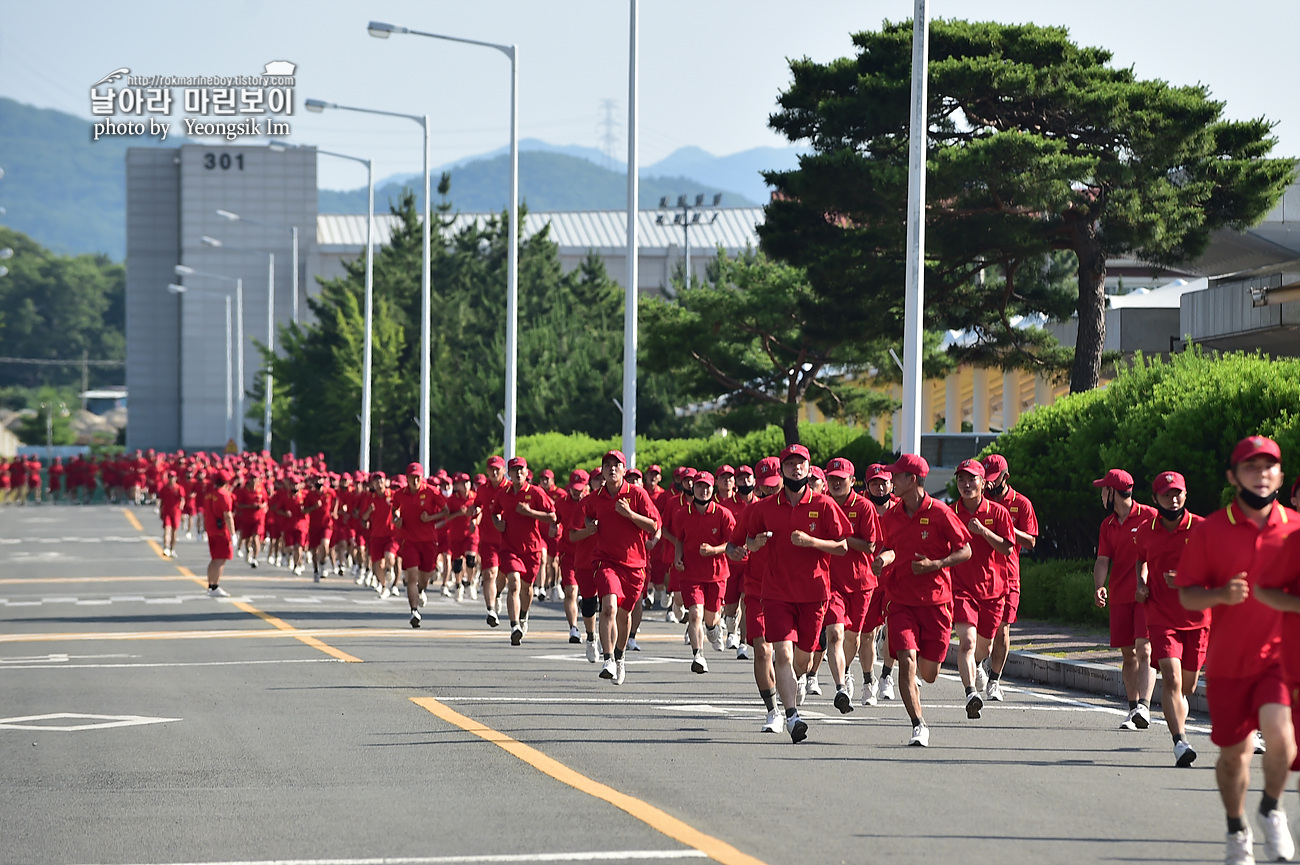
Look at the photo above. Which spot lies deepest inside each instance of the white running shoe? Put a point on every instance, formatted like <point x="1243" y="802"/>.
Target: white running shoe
<point x="1278" y="845"/>
<point x="848" y="685"/>
<point x="716" y="637"/>
<point x="843" y="701"/>
<point x="973" y="705"/>
<point x="870" y="690"/>
<point x="698" y="664"/>
<point x="574" y="636"/>
<point x="814" y="685"/>
<point x="460" y="594"/>
<point x="982" y="676"/>
<point x="252" y="563"/>
<point x="742" y="652"/>
<point x="669" y="617"/>
<point x="1259" y="743"/>
<point x="1184" y="754"/>
<point x="920" y="736"/>
<point x="797" y="728"/>
<point x="218" y="592"/>
<point x="995" y="691"/>
<point x="803" y="691"/>
<point x="887" y="687"/>
<point x="773" y="722"/>
<point x="523" y="625"/>
<point x="385" y="593"/>
<point x="423" y="599"/>
<point x="1141" y="717"/>
<point x="473" y="591"/>
<point x="609" y="669"/>
<point x="686" y="636"/>
<point x="632" y="645"/>
<point x="415" y="618"/>
<point x="493" y="619"/>
<point x="516" y="635"/>
<point x="446" y="590"/>
<point x="733" y="640"/>
<point x="620" y="671"/>
<point x="591" y="651"/>
<point x="1128" y="722"/>
<point x="1240" y="848"/>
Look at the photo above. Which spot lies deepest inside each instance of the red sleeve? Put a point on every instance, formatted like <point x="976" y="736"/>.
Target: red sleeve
<point x="840" y="526"/>
<point x="957" y="534"/>
<point x="1103" y="542"/>
<point x="869" y="526"/>
<point x="1003" y="527"/>
<point x="648" y="508"/>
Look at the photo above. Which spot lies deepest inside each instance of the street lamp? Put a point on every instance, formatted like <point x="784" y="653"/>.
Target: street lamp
<point x="182" y="270"/>
<point x="318" y="105"/>
<point x="367" y="350"/>
<point x="230" y="404"/>
<point x="270" y="329"/>
<point x="688" y="218"/>
<point x="380" y="30"/>
<point x="633" y="191"/>
<point x="293" y="232"/>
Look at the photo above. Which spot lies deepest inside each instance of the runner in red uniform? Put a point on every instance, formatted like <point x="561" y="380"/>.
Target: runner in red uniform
<point x="318" y="505"/>
<point x="218" y="509"/>
<point x="489" y="539"/>
<point x="1222" y="568"/>
<point x="1117" y="553"/>
<point x="702" y="529"/>
<point x="171" y="499"/>
<point x="382" y="546"/>
<point x="568" y="512"/>
<point x="57" y="472"/>
<point x="660" y="560"/>
<point x="735" y="492"/>
<point x="419" y="507"/>
<point x="1179" y="636"/>
<point x="852" y="581"/>
<point x="462" y="537"/>
<point x="997" y="486"/>
<point x="880" y="492"/>
<point x="582" y="535"/>
<point x="767" y="474"/>
<point x="523" y="514"/>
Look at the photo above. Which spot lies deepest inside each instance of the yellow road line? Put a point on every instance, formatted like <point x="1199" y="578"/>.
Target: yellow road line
<point x="130" y="518"/>
<point x="294" y="633"/>
<point x="653" y="817"/>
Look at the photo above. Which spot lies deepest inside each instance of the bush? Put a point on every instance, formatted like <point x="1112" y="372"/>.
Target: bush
<point x="1059" y="590"/>
<point x="1182" y="415"/>
<point x="563" y="453"/>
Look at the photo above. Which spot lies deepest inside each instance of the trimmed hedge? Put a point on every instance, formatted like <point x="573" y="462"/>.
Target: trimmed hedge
<point x="1059" y="590"/>
<point x="1183" y="415"/>
<point x="562" y="453"/>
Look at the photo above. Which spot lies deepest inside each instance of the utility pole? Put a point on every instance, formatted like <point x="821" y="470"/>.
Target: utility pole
<point x="609" y="127"/>
<point x="688" y="215"/>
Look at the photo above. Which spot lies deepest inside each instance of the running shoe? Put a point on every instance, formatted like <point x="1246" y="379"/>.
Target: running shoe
<point x="797" y="728"/>
<point x="887" y="687"/>
<point x="870" y="692"/>
<point x="843" y="701"/>
<point x="920" y="736"/>
<point x="252" y="563"/>
<point x="460" y="594"/>
<point x="493" y="619"/>
<point x="385" y="594"/>
<point x="982" y="676"/>
<point x="698" y="664"/>
<point x="669" y="616"/>
<point x="686" y="636"/>
<point x="742" y="652"/>
<point x="995" y="691"/>
<point x="1240" y="848"/>
<point x="218" y="592"/>
<point x="814" y="685"/>
<point x="446" y="590"/>
<point x="773" y="722"/>
<point x="803" y="691"/>
<point x="632" y="645"/>
<point x="1184" y="754"/>
<point x="415" y="618"/>
<point x="574" y="636"/>
<point x="733" y="640"/>
<point x="716" y="637"/>
<point x="423" y="599"/>
<point x="1259" y="743"/>
<point x="620" y="671"/>
<point x="1127" y="723"/>
<point x="591" y="651"/>
<point x="1278" y="845"/>
<point x="1141" y="717"/>
<point x="848" y="685"/>
<point x="315" y="576"/>
<point x="516" y="635"/>
<point x="609" y="669"/>
<point x="523" y="624"/>
<point x="973" y="704"/>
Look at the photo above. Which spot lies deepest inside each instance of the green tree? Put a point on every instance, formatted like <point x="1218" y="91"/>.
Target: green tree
<point x="1035" y="144"/>
<point x="51" y="420"/>
<point x="754" y="339"/>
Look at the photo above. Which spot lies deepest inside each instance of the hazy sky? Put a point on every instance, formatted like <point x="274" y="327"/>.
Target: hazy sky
<point x="710" y="69"/>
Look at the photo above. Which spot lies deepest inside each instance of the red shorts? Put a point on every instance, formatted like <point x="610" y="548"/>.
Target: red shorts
<point x="875" y="610"/>
<point x="735" y="583"/>
<point x="292" y="536"/>
<point x="489" y="556"/>
<point x="984" y="613"/>
<point x="586" y="580"/>
<point x="1188" y="645"/>
<point x="421" y="555"/>
<point x="659" y="568"/>
<point x="755" y="622"/>
<point x="219" y="546"/>
<point x="525" y="564"/>
<point x="568" y="576"/>
<point x="552" y="547"/>
<point x="708" y="594"/>
<point x="1235" y="703"/>
<point x="849" y="609"/>
<point x="461" y="547"/>
<point x="1128" y="623"/>
<point x="1010" y="605"/>
<point x="317" y="535"/>
<point x="925" y="630"/>
<point x="622" y="581"/>
<point x="171" y="519"/>
<point x="382" y="545"/>
<point x="794" y="621"/>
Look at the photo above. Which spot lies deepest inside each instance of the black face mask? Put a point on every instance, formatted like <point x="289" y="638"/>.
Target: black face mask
<point x="1171" y="514"/>
<point x="702" y="503"/>
<point x="796" y="486"/>
<point x="744" y="490"/>
<point x="996" y="492"/>
<point x="1255" y="501"/>
<point x="878" y="500"/>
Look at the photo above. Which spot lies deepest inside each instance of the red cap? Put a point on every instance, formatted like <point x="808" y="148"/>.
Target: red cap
<point x="517" y="463"/>
<point x="795" y="451"/>
<point x="547" y="473"/>
<point x="725" y="469"/>
<point x="224" y="476"/>
<point x="679" y="473"/>
<point x="441" y="473"/>
<point x="415" y="469"/>
<point x="911" y="464"/>
<point x="1254" y="446"/>
<point x="460" y="477"/>
<point x="994" y="466"/>
<point x="579" y="476"/>
<point x="768" y="472"/>
<point x="703" y="478"/>
<point x="654" y="467"/>
<point x="839" y="467"/>
<point x="971" y="467"/>
<point x="688" y="473"/>
<point x="1116" y="479"/>
<point x="480" y="479"/>
<point x="616" y="455"/>
<point x="497" y="461"/>
<point x="876" y="471"/>
<point x="816" y="471"/>
<point x="378" y="476"/>
<point x="633" y="473"/>
<point x="745" y="470"/>
<point x="1166" y="481"/>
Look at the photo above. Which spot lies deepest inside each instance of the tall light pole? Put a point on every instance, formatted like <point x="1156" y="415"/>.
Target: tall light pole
<point x="293" y="238"/>
<point x="367" y="350"/>
<point x="914" y="290"/>
<point x="230" y="400"/>
<point x="381" y="30"/>
<point x="688" y="218"/>
<point x="318" y="105"/>
<point x="270" y="329"/>
<point x="630" y="301"/>
<point x="182" y="270"/>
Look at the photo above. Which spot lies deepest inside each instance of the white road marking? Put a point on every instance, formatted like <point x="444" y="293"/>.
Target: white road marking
<point x="101" y="722"/>
<point x="630" y="660"/>
<point x="62" y="666"/>
<point x="593" y="856"/>
<point x="57" y="658"/>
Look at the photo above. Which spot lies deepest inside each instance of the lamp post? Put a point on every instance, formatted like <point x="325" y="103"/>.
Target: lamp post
<point x="230" y="400"/>
<point x="318" y="105"/>
<point x="367" y="350"/>
<point x="914" y="290"/>
<point x="381" y="30"/>
<point x="270" y="329"/>
<point x="182" y="270"/>
<point x="293" y="236"/>
<point x="688" y="218"/>
<point x="629" y="303"/>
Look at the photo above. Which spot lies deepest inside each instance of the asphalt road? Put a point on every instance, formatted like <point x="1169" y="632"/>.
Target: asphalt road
<point x="238" y="735"/>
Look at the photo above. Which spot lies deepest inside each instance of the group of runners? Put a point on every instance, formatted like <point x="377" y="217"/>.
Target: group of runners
<point x="26" y="479"/>
<point x="797" y="568"/>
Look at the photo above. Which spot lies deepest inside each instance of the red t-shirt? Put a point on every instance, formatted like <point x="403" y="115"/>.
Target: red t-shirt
<point x="983" y="575"/>
<point x="1245" y="638"/>
<point x="1283" y="572"/>
<point x="619" y="541"/>
<point x="484" y="500"/>
<point x="852" y="572"/>
<point x="693" y="527"/>
<point x="321" y="503"/>
<point x="1116" y="542"/>
<point x="797" y="574"/>
<point x="1024" y="519"/>
<point x="461" y="527"/>
<point x="568" y="509"/>
<point x="216" y="504"/>
<point x="412" y="502"/>
<point x="381" y="517"/>
<point x="934" y="532"/>
<point x="171" y="498"/>
<point x="1161" y="549"/>
<point x="523" y="534"/>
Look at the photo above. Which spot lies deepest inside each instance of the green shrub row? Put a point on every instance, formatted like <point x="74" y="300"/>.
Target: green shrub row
<point x="1182" y="415"/>
<point x="1059" y="590"/>
<point x="562" y="453"/>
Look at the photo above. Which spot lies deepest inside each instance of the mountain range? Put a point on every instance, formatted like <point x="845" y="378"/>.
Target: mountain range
<point x="69" y="193"/>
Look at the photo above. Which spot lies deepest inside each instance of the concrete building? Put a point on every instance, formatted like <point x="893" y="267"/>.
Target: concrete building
<point x="176" y="344"/>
